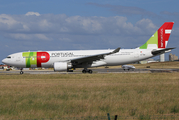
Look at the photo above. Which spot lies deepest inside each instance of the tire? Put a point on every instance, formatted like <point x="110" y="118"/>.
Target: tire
<point x="90" y="71"/>
<point x="83" y="71"/>
<point x="21" y="72"/>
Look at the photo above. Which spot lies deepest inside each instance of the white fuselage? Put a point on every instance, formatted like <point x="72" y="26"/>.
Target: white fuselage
<point x="124" y="56"/>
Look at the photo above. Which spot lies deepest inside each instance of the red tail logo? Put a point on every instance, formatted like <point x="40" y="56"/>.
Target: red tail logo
<point x="164" y="34"/>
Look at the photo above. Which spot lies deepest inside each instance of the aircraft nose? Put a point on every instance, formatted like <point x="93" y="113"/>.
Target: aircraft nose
<point x="4" y="61"/>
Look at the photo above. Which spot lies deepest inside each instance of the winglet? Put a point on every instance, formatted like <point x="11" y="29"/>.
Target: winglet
<point x="115" y="51"/>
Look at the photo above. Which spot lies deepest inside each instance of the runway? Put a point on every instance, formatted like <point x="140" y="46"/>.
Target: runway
<point x="95" y="71"/>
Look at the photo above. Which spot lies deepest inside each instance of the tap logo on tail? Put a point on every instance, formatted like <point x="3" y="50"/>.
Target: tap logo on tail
<point x="160" y="38"/>
<point x="164" y="34"/>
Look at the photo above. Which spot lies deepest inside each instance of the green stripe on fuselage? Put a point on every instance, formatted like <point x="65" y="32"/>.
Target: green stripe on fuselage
<point x="31" y="58"/>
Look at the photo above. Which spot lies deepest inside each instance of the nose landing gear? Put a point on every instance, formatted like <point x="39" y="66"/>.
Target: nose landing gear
<point x="21" y="72"/>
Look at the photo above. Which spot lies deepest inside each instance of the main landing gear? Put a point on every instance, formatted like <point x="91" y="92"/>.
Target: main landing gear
<point x="86" y="70"/>
<point x="21" y="72"/>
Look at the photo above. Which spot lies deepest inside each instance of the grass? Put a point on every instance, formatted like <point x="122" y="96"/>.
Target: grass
<point x="76" y="95"/>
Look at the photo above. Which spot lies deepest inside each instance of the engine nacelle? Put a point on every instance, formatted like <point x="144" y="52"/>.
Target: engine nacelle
<point x="61" y="66"/>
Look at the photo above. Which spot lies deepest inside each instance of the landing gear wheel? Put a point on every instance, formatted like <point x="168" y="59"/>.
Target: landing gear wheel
<point x="84" y="71"/>
<point x="21" y="72"/>
<point x="90" y="71"/>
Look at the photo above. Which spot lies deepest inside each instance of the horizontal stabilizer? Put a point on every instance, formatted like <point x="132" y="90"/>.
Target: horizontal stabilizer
<point x="158" y="52"/>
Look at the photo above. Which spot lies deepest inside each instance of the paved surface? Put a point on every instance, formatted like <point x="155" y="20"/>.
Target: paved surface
<point x="104" y="71"/>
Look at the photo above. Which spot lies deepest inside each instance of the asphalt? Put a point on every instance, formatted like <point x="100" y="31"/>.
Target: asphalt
<point x="95" y="71"/>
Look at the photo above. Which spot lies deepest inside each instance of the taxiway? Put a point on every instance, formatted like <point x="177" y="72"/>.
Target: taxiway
<point x="95" y="71"/>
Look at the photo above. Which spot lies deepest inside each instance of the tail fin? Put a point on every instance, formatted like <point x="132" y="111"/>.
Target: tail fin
<point x="160" y="38"/>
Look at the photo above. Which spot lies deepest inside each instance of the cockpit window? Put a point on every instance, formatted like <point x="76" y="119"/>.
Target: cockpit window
<point x="8" y="56"/>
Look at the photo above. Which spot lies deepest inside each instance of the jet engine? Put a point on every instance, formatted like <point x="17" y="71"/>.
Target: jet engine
<point x="61" y="66"/>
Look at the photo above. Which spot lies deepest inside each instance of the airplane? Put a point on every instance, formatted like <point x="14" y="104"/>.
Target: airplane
<point x="127" y="67"/>
<point x="70" y="60"/>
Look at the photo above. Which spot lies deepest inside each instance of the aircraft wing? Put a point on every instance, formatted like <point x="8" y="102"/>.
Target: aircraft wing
<point x="158" y="52"/>
<point x="91" y="58"/>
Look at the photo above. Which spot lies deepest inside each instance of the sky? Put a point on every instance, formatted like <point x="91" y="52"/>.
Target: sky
<point x="31" y="25"/>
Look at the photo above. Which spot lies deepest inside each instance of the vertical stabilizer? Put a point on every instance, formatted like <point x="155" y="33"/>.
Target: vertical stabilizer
<point x="160" y="38"/>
